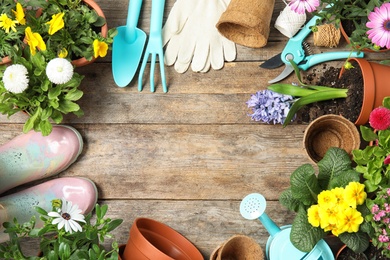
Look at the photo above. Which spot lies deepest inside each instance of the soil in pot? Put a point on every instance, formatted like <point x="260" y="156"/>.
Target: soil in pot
<point x="371" y="253"/>
<point x="348" y="107"/>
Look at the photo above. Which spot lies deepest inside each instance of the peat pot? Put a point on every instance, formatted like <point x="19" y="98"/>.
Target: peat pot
<point x="238" y="247"/>
<point x="330" y="131"/>
<point x="152" y="240"/>
<point x="376" y="86"/>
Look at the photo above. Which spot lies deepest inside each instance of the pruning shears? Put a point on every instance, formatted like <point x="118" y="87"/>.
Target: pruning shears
<point x="295" y="51"/>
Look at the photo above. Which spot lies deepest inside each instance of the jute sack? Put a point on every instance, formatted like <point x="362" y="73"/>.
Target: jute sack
<point x="247" y="22"/>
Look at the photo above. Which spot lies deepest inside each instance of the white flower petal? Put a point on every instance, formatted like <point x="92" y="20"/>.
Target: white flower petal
<point x="54" y="214"/>
<point x="15" y="78"/>
<point x="59" y="70"/>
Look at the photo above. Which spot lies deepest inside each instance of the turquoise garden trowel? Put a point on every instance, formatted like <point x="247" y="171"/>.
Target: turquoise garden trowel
<point x="128" y="46"/>
<point x="279" y="246"/>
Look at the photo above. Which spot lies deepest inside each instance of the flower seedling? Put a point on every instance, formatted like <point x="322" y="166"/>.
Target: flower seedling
<point x="66" y="234"/>
<point x="330" y="202"/>
<point x="373" y="161"/>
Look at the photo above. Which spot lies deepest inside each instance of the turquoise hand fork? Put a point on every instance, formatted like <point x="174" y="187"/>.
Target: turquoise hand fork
<point x="154" y="47"/>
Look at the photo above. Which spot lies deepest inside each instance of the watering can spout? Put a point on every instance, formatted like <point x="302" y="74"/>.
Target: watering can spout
<point x="268" y="223"/>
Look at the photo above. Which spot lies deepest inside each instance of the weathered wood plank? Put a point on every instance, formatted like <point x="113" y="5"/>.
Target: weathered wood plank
<point x="185" y="161"/>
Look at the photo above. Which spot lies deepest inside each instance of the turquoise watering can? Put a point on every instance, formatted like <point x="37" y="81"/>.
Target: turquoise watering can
<point x="279" y="246"/>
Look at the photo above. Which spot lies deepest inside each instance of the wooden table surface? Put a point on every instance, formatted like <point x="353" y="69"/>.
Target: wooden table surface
<point x="187" y="157"/>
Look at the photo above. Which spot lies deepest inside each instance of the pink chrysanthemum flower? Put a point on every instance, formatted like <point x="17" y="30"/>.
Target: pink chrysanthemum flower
<point x="379" y="24"/>
<point x="380" y="118"/>
<point x="300" y="6"/>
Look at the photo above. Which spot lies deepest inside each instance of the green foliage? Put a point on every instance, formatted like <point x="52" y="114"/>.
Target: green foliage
<point x="58" y="244"/>
<point x="306" y="94"/>
<point x="354" y="11"/>
<point x="370" y="160"/>
<point x="44" y="101"/>
<point x="334" y="170"/>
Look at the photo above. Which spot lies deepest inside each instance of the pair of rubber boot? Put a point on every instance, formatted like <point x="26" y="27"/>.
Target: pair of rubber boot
<point x="30" y="157"/>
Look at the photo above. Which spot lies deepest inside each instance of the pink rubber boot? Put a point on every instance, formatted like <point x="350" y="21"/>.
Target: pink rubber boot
<point x="31" y="156"/>
<point x="20" y="205"/>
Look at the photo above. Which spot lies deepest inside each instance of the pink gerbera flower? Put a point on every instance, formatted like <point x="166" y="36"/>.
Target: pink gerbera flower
<point x="379" y="24"/>
<point x="380" y="118"/>
<point x="300" y="6"/>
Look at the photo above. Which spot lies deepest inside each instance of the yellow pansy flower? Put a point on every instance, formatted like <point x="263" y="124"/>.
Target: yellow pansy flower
<point x="355" y="194"/>
<point x="350" y="220"/>
<point x="7" y="23"/>
<point x="313" y="216"/>
<point x="99" y="48"/>
<point x="19" y="14"/>
<point x="63" y="53"/>
<point x="56" y="23"/>
<point x="34" y="40"/>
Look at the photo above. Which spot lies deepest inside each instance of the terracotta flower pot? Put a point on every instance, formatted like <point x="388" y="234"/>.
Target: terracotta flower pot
<point x="104" y="30"/>
<point x="330" y="131"/>
<point x="375" y="86"/>
<point x="153" y="240"/>
<point x="238" y="247"/>
<point x="5" y="60"/>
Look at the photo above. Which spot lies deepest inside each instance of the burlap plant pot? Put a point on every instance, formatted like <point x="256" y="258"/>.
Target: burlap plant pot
<point x="247" y="22"/>
<point x="238" y="247"/>
<point x="330" y="131"/>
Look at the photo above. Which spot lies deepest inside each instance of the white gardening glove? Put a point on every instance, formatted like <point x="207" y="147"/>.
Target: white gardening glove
<point x="192" y="38"/>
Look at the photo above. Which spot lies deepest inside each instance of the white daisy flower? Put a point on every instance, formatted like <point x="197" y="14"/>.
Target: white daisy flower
<point x="68" y="217"/>
<point x="59" y="70"/>
<point x="15" y="78"/>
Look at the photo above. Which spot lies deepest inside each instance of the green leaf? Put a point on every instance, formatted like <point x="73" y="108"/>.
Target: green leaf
<point x="286" y="199"/>
<point x="311" y="98"/>
<point x="114" y="224"/>
<point x="74" y="95"/>
<point x="46" y="127"/>
<point x="29" y="125"/>
<point x="335" y="162"/>
<point x="304" y="185"/>
<point x="54" y="92"/>
<point x="358" y="241"/>
<point x="386" y="102"/>
<point x="311" y="235"/>
<point x="67" y="106"/>
<point x="288" y="89"/>
<point x="368" y="134"/>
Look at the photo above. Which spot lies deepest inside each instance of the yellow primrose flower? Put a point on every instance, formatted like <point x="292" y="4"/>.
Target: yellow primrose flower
<point x="328" y="215"/>
<point x="63" y="53"/>
<point x="34" y="40"/>
<point x="313" y="216"/>
<point x="19" y="14"/>
<point x="350" y="220"/>
<point x="355" y="194"/>
<point x="99" y="48"/>
<point x="339" y="193"/>
<point x="7" y="23"/>
<point x="56" y="23"/>
<point x="335" y="229"/>
<point x="327" y="199"/>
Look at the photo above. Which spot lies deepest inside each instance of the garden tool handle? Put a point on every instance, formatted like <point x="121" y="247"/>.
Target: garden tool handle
<point x="268" y="223"/>
<point x="327" y="56"/>
<point x="132" y="20"/>
<point x="157" y="16"/>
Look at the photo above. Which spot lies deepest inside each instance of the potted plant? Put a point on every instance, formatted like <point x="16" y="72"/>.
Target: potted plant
<point x="373" y="161"/>
<point x="361" y="21"/>
<point x="374" y="89"/>
<point x="331" y="202"/>
<point x="66" y="234"/>
<point x="72" y="29"/>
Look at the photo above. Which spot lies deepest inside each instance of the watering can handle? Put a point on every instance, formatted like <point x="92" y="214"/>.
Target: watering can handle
<point x="132" y="20"/>
<point x="271" y="227"/>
